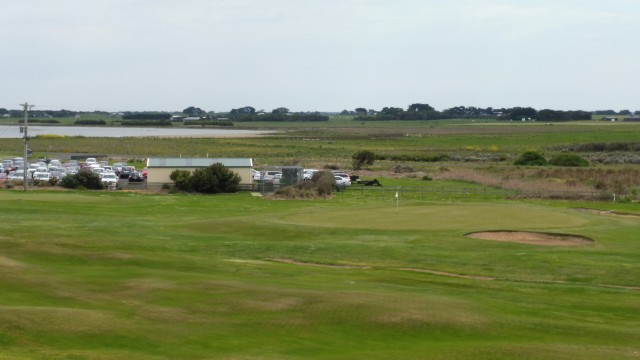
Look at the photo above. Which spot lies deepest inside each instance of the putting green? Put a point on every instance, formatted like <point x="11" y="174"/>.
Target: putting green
<point x="442" y="217"/>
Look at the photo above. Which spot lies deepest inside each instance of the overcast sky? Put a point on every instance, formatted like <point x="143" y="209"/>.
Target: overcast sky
<point x="324" y="55"/>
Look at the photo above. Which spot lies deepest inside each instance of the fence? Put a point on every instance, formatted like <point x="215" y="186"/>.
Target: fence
<point x="450" y="193"/>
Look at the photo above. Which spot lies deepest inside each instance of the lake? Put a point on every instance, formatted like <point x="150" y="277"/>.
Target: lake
<point x="13" y="132"/>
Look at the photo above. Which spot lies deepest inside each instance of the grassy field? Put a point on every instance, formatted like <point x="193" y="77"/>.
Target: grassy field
<point x="96" y="275"/>
<point x="335" y="141"/>
<point x="126" y="275"/>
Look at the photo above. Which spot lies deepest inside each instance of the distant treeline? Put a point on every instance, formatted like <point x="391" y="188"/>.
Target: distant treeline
<point x="40" y="121"/>
<point x="90" y="122"/>
<point x="427" y="112"/>
<point x="208" y="123"/>
<point x="146" y="116"/>
<point x="147" y="123"/>
<point x="290" y="117"/>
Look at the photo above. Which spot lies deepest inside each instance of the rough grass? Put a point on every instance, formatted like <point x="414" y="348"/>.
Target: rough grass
<point x="125" y="275"/>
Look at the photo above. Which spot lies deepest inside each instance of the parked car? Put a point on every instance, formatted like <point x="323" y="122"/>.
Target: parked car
<point x="97" y="170"/>
<point x="109" y="178"/>
<point x="71" y="170"/>
<point x="346" y="179"/>
<point x="32" y="168"/>
<point x="118" y="166"/>
<point x="16" y="176"/>
<point x="307" y="174"/>
<point x="136" y="176"/>
<point x="256" y="175"/>
<point x="125" y="171"/>
<point x="55" y="162"/>
<point x="41" y="176"/>
<point x="270" y="176"/>
<point x="91" y="161"/>
<point x="341" y="183"/>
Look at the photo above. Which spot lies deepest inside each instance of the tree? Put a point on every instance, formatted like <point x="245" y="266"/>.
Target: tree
<point x="247" y="110"/>
<point x="518" y="113"/>
<point x="361" y="111"/>
<point x="420" y="108"/>
<point x="363" y="157"/>
<point x="280" y="110"/>
<point x="194" y="111"/>
<point x="391" y="110"/>
<point x="531" y="158"/>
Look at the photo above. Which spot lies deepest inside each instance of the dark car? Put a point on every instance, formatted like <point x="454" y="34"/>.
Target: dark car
<point x="136" y="176"/>
<point x="125" y="172"/>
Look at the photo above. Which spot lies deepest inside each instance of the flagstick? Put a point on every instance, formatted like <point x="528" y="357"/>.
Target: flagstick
<point x="397" y="204"/>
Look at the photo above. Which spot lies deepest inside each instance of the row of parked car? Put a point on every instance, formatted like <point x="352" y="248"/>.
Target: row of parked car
<point x="44" y="170"/>
<point x="273" y="176"/>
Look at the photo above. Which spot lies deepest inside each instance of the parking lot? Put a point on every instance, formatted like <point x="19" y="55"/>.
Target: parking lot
<point x="50" y="172"/>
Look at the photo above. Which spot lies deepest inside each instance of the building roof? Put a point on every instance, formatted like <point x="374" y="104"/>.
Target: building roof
<point x="198" y="162"/>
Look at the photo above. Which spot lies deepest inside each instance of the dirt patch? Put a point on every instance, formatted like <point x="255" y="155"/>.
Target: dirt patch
<point x="533" y="238"/>
<point x="295" y="262"/>
<point x="443" y="273"/>
<point x="5" y="261"/>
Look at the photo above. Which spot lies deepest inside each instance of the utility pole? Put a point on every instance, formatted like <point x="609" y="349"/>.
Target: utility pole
<point x="26" y="108"/>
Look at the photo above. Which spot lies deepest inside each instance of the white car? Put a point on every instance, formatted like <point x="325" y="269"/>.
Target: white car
<point x="17" y="175"/>
<point x="97" y="170"/>
<point x="341" y="182"/>
<point x="91" y="161"/>
<point x="41" y="176"/>
<point x="109" y="178"/>
<point x="307" y="174"/>
<point x="55" y="163"/>
<point x="32" y="168"/>
<point x="271" y="176"/>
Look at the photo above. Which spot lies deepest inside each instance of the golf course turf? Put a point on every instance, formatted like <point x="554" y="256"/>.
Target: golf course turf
<point x="100" y="275"/>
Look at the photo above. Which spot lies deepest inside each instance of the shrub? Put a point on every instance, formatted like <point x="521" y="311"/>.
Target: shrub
<point x="324" y="181"/>
<point x="214" y="179"/>
<point x="363" y="157"/>
<point x="531" y="158"/>
<point x="181" y="179"/>
<point x="322" y="184"/>
<point x="568" y="160"/>
<point x="83" y="179"/>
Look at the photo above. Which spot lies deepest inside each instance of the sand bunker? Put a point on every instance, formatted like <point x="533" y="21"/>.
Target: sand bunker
<point x="533" y="238"/>
<point x="609" y="212"/>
